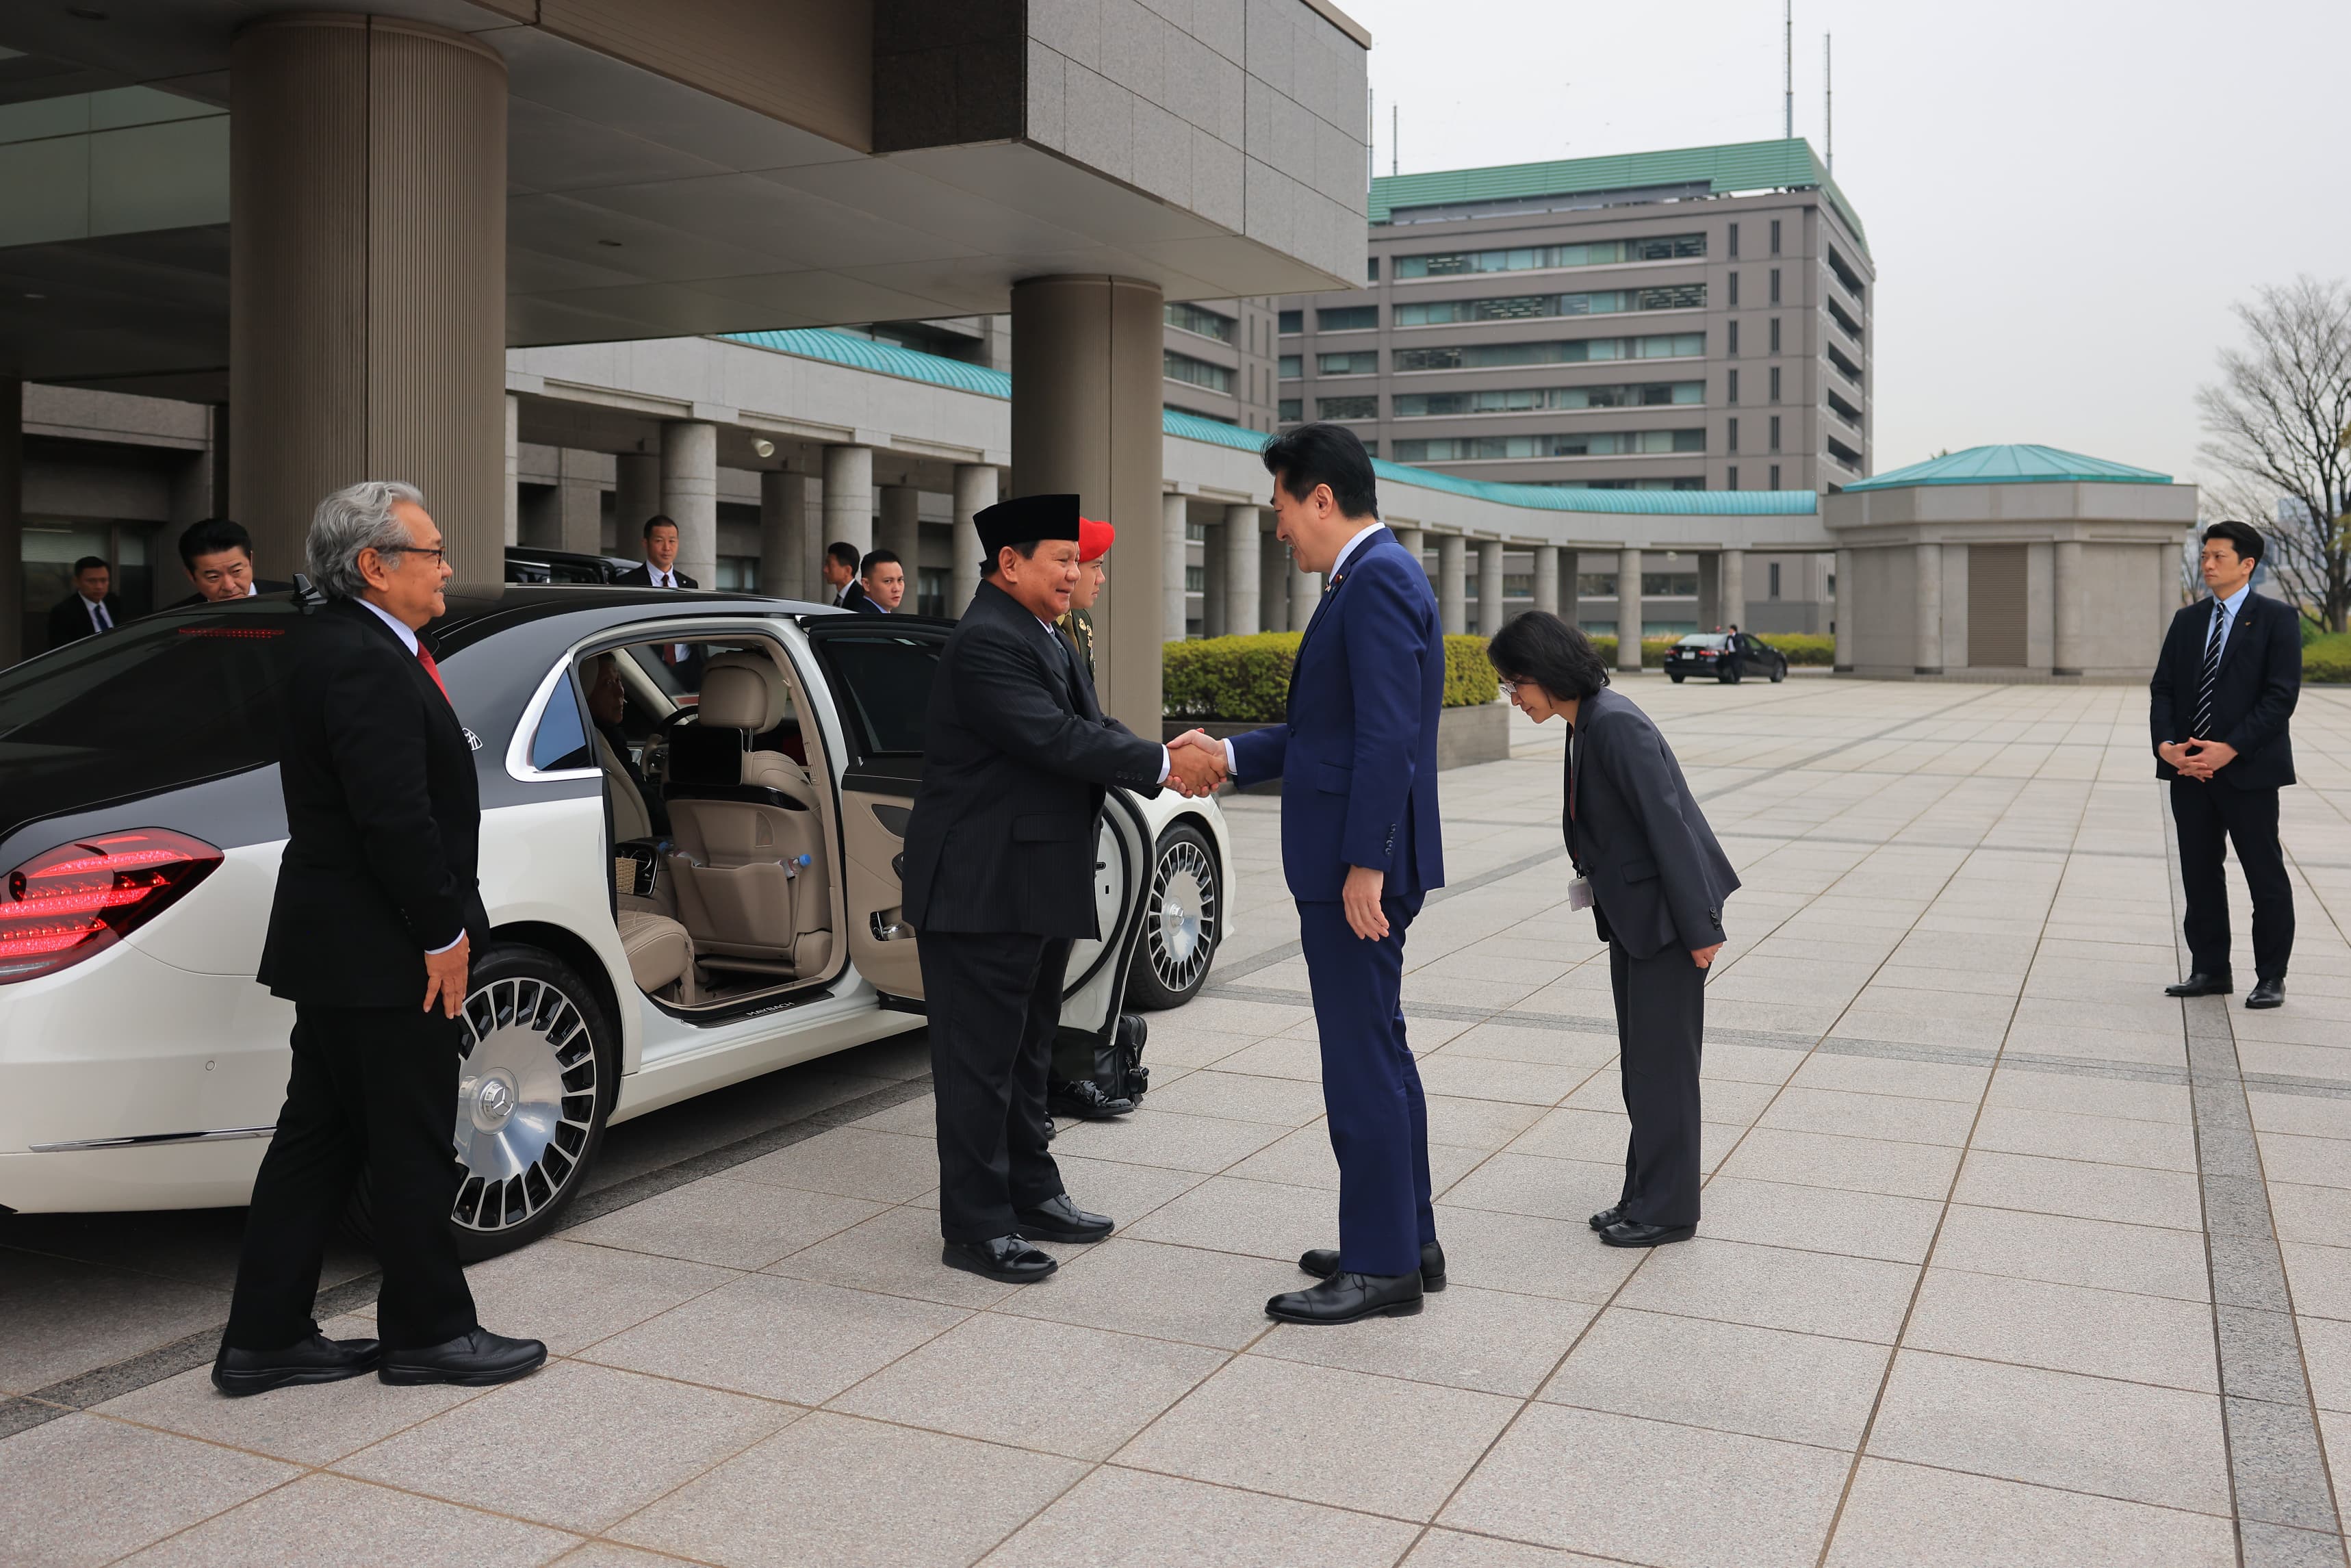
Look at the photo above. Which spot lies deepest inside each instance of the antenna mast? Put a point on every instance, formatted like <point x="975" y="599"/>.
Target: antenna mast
<point x="1828" y="106"/>
<point x="1788" y="65"/>
<point x="1395" y="164"/>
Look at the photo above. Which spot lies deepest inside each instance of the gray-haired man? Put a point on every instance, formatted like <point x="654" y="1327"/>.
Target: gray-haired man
<point x="374" y="922"/>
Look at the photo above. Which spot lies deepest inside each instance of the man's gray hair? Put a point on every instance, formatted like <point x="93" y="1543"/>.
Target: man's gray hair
<point x="354" y="518"/>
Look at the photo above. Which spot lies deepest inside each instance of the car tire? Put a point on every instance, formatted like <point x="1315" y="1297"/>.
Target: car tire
<point x="539" y="1079"/>
<point x="1730" y="673"/>
<point x="1183" y="919"/>
<point x="1778" y="671"/>
<point x="1677" y="680"/>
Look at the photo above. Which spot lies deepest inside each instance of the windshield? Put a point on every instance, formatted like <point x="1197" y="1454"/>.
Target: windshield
<point x="1705" y="639"/>
<point x="167" y="701"/>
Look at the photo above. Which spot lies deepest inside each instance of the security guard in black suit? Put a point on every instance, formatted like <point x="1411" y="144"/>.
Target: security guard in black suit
<point x="999" y="866"/>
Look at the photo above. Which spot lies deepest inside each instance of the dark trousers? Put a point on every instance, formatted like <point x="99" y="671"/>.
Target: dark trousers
<point x="1660" y="1021"/>
<point x="995" y="1000"/>
<point x="1371" y="1088"/>
<point x="373" y="1090"/>
<point x="2210" y="815"/>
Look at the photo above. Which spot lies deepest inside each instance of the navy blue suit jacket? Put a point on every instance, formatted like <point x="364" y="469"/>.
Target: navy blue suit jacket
<point x="2260" y="681"/>
<point x="1357" y="757"/>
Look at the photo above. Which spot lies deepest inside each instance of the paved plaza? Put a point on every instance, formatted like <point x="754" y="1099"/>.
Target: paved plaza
<point x="2006" y="1259"/>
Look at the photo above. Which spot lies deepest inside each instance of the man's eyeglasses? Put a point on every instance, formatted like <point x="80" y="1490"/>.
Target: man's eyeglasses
<point x="438" y="552"/>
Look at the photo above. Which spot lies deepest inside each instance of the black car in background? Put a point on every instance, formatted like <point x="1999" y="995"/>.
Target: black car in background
<point x="1727" y="656"/>
<point x="564" y="567"/>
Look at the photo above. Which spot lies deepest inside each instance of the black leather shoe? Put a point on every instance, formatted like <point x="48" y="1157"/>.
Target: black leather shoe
<point x="2200" y="983"/>
<point x="1059" y="1220"/>
<point x="1345" y="1297"/>
<point x="237" y="1373"/>
<point x="1083" y="1098"/>
<point x="1632" y="1233"/>
<point x="1606" y="1216"/>
<point x="474" y="1359"/>
<point x="1323" y="1261"/>
<point x="1006" y="1257"/>
<point x="2266" y="993"/>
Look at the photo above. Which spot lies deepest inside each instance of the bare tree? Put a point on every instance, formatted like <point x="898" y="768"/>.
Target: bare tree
<point x="2280" y="426"/>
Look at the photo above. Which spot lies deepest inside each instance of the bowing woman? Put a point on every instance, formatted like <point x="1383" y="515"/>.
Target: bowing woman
<point x="1649" y="868"/>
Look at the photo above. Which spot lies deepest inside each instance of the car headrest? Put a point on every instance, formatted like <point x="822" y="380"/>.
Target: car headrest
<point x="741" y="691"/>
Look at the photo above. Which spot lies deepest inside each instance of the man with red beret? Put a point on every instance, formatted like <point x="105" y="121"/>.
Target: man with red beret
<point x="1076" y="622"/>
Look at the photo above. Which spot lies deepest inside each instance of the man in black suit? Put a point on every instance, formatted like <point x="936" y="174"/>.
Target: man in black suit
<point x="377" y="906"/>
<point x="881" y="584"/>
<point x="91" y="609"/>
<point x="660" y="567"/>
<point x="999" y="866"/>
<point x="842" y="566"/>
<point x="217" y="556"/>
<point x="2224" y="687"/>
<point x="1648" y="867"/>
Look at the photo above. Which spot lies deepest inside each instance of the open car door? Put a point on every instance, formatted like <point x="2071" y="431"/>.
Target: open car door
<point x="879" y="672"/>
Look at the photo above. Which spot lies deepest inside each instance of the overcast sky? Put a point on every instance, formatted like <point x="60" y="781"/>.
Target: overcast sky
<point x="2063" y="197"/>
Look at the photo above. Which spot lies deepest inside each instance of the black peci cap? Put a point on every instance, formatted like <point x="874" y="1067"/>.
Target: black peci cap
<point x="1027" y="517"/>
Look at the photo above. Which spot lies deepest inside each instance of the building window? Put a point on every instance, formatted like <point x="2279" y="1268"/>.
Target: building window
<point x="1670" y="585"/>
<point x="1775" y="383"/>
<point x="1290" y="408"/>
<point x="1775" y="237"/>
<point x="1206" y="323"/>
<point x="1371" y="269"/>
<point x="1648" y="394"/>
<point x="1291" y="366"/>
<point x="1572" y="352"/>
<point x="1518" y="585"/>
<point x="1733" y="483"/>
<point x="1535" y="307"/>
<point x="1346" y="408"/>
<point x="738" y="574"/>
<point x="1362" y="362"/>
<point x="1734" y="387"/>
<point x="1734" y="291"/>
<point x="1347" y="318"/>
<point x="1775" y="334"/>
<point x="1733" y="331"/>
<point x="1595" y="585"/>
<point x="1730" y="441"/>
<point x="1775" y="485"/>
<point x="1842" y="453"/>
<point x="1542" y="257"/>
<point x="1196" y="413"/>
<point x="1733" y="246"/>
<point x="1775" y="437"/>
<point x="1290" y="321"/>
<point x="1195" y="580"/>
<point x="1588" y="444"/>
<point x="1775" y="580"/>
<point x="1775" y="286"/>
<point x="1178" y="367"/>
<point x="1198" y="533"/>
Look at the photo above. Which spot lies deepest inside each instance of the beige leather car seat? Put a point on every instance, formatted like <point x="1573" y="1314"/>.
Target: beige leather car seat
<point x="631" y="819"/>
<point x="660" y="951"/>
<point x="749" y="862"/>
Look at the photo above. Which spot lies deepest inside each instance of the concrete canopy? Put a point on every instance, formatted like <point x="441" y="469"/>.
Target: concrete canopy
<point x="731" y="168"/>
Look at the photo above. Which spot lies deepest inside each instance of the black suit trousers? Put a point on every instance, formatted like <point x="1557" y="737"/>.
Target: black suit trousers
<point x="995" y="1000"/>
<point x="2210" y="815"/>
<point x="1660" y="1021"/>
<point x="374" y="1091"/>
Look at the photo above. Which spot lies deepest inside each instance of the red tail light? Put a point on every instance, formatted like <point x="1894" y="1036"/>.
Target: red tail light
<point x="66" y="904"/>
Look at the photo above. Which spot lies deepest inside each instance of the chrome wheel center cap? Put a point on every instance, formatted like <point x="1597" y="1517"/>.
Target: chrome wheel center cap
<point x="494" y="1101"/>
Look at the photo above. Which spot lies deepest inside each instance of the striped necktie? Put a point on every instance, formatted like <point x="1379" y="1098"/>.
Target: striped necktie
<point x="2202" y="728"/>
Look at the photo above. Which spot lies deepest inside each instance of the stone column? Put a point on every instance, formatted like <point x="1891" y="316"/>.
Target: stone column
<point x="1242" y="569"/>
<point x="12" y="522"/>
<point x="1709" y="591"/>
<point x="1928" y="610"/>
<point x="1415" y="541"/>
<point x="849" y="495"/>
<point x="1273" y="582"/>
<point x="514" y="470"/>
<point x="1730" y="587"/>
<point x="900" y="530"/>
<point x="783" y="534"/>
<point x="975" y="491"/>
<point x="2069" y="608"/>
<point x="689" y="494"/>
<point x="1451" y="549"/>
<point x="636" y="495"/>
<point x="366" y="276"/>
<point x="1547" y="579"/>
<point x="1174" y="514"/>
<point x="1570" y="586"/>
<point x="1628" y="612"/>
<point x="579" y="502"/>
<point x="1840" y="613"/>
<point x="1305" y="591"/>
<point x="1490" y="587"/>
<point x="1087" y="353"/>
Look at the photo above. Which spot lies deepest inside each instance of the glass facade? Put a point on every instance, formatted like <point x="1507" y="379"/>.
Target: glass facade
<point x="1572" y="352"/>
<point x="1197" y="373"/>
<point x="1290" y="408"/>
<point x="1290" y="366"/>
<point x="1536" y="306"/>
<point x="1362" y="362"/>
<point x="1650" y="394"/>
<point x="1529" y="258"/>
<point x="1206" y="323"/>
<point x="1347" y="318"/>
<point x="1290" y="321"/>
<point x="1347" y="408"/>
<point x="1581" y="444"/>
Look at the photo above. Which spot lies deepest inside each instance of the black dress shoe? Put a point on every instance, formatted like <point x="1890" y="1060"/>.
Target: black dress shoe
<point x="1606" y="1216"/>
<point x="1632" y="1233"/>
<point x="1059" y="1220"/>
<point x="1083" y="1098"/>
<point x="474" y="1359"/>
<point x="237" y="1373"/>
<point x="1323" y="1261"/>
<point x="2200" y="983"/>
<point x="2266" y="993"/>
<point x="1006" y="1257"/>
<point x="1345" y="1297"/>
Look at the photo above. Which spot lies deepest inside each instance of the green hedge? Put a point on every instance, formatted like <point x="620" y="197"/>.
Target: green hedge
<point x="2327" y="657"/>
<point x="1245" y="680"/>
<point x="1800" y="649"/>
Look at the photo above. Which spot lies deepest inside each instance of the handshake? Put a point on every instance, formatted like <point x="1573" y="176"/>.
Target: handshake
<point x="1196" y="764"/>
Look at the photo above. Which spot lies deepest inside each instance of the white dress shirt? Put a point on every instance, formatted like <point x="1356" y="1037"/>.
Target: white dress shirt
<point x="659" y="577"/>
<point x="2230" y="608"/>
<point x="407" y="635"/>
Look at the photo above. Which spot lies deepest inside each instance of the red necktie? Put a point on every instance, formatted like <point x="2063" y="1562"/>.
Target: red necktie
<point x="424" y="657"/>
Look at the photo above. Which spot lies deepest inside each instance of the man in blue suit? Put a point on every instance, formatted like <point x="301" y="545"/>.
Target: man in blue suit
<point x="1361" y="847"/>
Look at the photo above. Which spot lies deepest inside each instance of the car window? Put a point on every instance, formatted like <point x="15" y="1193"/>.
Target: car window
<point x="1703" y="640"/>
<point x="884" y="683"/>
<point x="561" y="738"/>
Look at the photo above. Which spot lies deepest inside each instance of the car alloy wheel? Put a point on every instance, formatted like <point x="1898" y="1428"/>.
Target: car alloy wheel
<point x="1181" y="923"/>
